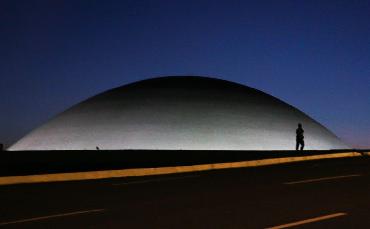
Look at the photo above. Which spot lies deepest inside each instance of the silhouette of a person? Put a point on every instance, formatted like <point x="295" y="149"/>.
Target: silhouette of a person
<point x="300" y="137"/>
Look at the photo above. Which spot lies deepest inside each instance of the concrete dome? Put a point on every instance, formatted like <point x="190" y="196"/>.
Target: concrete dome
<point x="189" y="113"/>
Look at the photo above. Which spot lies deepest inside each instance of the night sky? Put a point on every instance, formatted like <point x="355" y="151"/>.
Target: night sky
<point x="314" y="55"/>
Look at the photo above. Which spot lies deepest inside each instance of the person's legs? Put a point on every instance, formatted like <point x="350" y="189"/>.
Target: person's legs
<point x="302" y="144"/>
<point x="297" y="145"/>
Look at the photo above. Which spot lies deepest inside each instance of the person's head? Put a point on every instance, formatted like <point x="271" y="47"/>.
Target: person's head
<point x="299" y="125"/>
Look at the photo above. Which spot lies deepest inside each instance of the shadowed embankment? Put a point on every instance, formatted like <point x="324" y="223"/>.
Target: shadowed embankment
<point x="16" y="163"/>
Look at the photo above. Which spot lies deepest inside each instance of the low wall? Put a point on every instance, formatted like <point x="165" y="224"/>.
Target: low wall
<point x="41" y="162"/>
<point x="129" y="172"/>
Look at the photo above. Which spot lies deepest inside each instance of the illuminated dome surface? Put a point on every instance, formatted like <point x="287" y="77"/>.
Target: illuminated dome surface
<point x="188" y="113"/>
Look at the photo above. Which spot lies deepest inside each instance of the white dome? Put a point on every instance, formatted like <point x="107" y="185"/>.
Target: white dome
<point x="188" y="113"/>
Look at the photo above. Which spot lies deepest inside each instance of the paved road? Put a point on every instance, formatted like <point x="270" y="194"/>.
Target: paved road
<point x="331" y="193"/>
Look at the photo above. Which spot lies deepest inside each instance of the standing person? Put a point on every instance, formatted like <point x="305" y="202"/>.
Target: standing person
<point x="300" y="137"/>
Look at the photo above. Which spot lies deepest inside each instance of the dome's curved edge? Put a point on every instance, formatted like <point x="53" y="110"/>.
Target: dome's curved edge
<point x="183" y="77"/>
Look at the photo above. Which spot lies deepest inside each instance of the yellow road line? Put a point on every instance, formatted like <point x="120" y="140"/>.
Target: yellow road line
<point x="306" y="221"/>
<point x="161" y="170"/>
<point x="322" y="179"/>
<point x="51" y="216"/>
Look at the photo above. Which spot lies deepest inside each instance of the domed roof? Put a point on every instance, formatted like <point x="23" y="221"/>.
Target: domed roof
<point x="188" y="113"/>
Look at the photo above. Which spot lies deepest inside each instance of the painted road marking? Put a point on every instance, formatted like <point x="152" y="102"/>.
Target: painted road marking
<point x="51" y="216"/>
<point x="322" y="179"/>
<point x="306" y="221"/>
<point x="156" y="180"/>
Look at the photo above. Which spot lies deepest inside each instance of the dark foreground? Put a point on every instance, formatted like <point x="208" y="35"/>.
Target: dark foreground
<point x="235" y="198"/>
<point x="13" y="163"/>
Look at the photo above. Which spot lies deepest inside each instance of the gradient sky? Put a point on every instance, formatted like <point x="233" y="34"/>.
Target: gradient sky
<point x="314" y="55"/>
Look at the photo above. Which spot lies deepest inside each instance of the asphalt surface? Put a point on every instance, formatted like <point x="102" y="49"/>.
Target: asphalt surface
<point x="332" y="193"/>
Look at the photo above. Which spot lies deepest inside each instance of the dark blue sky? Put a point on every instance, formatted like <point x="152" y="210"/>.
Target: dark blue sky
<point x="314" y="55"/>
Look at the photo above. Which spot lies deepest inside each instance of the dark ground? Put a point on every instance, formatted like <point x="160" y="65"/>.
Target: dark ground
<point x="233" y="198"/>
<point x="41" y="162"/>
